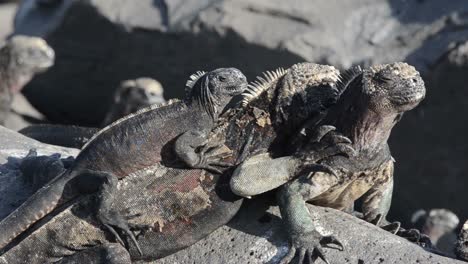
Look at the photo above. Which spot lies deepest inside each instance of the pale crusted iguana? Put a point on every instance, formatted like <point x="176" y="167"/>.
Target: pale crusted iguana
<point x="132" y="95"/>
<point x="131" y="144"/>
<point x="366" y="113"/>
<point x="20" y="59"/>
<point x="181" y="205"/>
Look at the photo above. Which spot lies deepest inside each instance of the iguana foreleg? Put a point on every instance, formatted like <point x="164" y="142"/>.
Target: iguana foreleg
<point x="105" y="210"/>
<point x="376" y="202"/>
<point x="305" y="241"/>
<point x="104" y="254"/>
<point x="197" y="151"/>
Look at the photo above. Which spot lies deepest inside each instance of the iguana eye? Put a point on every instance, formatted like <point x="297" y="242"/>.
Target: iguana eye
<point x="383" y="78"/>
<point x="221" y="78"/>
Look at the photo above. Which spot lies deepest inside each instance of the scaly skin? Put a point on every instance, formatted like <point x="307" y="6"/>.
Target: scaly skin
<point x="20" y="59"/>
<point x="182" y="206"/>
<point x="129" y="145"/>
<point x="366" y="114"/>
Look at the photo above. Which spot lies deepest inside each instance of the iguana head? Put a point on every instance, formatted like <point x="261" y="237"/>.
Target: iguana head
<point x="22" y="57"/>
<point x="374" y="102"/>
<point x="139" y="93"/>
<point x="215" y="89"/>
<point x="395" y="87"/>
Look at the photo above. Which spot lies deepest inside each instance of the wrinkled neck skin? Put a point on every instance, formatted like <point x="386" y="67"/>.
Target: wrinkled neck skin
<point x="367" y="128"/>
<point x="202" y="117"/>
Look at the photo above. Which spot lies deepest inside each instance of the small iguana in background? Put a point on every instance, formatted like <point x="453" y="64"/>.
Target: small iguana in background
<point x="130" y="144"/>
<point x="133" y="95"/>
<point x="21" y="57"/>
<point x="182" y="205"/>
<point x="461" y="249"/>
<point x="366" y="113"/>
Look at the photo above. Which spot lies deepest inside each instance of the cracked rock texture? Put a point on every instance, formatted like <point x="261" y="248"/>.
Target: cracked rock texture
<point x="254" y="236"/>
<point x="102" y="42"/>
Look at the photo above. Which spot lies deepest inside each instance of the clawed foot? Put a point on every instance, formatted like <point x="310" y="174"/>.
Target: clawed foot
<point x="112" y="221"/>
<point x="325" y="142"/>
<point x="308" y="247"/>
<point x="393" y="228"/>
<point x="210" y="158"/>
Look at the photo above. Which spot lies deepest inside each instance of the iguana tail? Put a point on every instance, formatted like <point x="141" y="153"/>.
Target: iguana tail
<point x="44" y="201"/>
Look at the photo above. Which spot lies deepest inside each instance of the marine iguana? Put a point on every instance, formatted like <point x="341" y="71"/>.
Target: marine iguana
<point x="182" y="206"/>
<point x="131" y="144"/>
<point x="366" y="113"/>
<point x="20" y="59"/>
<point x="132" y="95"/>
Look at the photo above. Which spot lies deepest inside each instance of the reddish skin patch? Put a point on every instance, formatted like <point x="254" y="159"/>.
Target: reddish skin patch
<point x="189" y="183"/>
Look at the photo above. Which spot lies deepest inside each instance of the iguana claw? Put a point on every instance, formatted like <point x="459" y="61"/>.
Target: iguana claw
<point x="113" y="219"/>
<point x="210" y="159"/>
<point x="390" y="227"/>
<point x="308" y="247"/>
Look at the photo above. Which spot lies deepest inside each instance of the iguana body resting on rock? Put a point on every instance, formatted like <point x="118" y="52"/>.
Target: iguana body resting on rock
<point x="131" y="96"/>
<point x="181" y="206"/>
<point x="132" y="144"/>
<point x="366" y="112"/>
<point x="20" y="59"/>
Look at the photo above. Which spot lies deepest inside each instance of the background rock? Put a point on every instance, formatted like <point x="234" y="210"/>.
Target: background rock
<point x="102" y="42"/>
<point x="13" y="147"/>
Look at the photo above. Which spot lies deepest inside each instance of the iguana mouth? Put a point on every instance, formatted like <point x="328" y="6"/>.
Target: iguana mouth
<point x="236" y="89"/>
<point x="410" y="95"/>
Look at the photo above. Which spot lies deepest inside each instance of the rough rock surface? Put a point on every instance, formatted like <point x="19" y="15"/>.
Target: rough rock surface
<point x="252" y="237"/>
<point x="168" y="40"/>
<point x="13" y="147"/>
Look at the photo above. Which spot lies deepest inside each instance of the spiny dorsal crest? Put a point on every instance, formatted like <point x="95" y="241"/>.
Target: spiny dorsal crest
<point x="257" y="87"/>
<point x="346" y="78"/>
<point x="122" y="119"/>
<point x="192" y="81"/>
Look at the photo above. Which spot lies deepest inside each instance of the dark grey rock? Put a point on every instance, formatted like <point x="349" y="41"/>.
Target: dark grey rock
<point x="14" y="147"/>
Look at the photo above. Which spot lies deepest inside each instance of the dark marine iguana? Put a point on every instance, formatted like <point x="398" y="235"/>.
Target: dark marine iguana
<point x="366" y="113"/>
<point x="20" y="59"/>
<point x="131" y="144"/>
<point x="182" y="206"/>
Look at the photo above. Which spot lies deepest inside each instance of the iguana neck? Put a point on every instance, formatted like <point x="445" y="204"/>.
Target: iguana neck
<point x="368" y="129"/>
<point x="204" y="120"/>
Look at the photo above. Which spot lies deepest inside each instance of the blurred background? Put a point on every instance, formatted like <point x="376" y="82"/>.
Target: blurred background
<point x="100" y="43"/>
